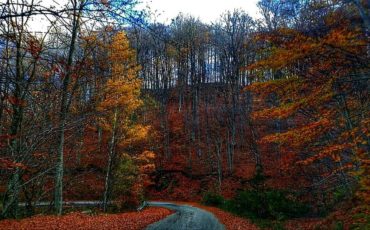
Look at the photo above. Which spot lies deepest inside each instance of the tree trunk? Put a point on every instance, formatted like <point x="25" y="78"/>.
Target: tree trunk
<point x="111" y="154"/>
<point x="10" y="202"/>
<point x="64" y="107"/>
<point x="219" y="162"/>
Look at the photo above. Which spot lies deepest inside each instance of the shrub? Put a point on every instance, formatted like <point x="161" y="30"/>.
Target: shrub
<point x="337" y="226"/>
<point x="213" y="199"/>
<point x="266" y="204"/>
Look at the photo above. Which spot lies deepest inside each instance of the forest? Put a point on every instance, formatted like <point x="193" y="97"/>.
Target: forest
<point x="263" y="122"/>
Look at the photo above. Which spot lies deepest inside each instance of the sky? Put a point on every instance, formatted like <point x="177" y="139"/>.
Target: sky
<point x="207" y="10"/>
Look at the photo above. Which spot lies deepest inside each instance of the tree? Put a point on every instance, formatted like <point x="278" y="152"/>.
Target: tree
<point x="25" y="49"/>
<point x="78" y="10"/>
<point x="121" y="99"/>
<point x="232" y="42"/>
<point x="322" y="113"/>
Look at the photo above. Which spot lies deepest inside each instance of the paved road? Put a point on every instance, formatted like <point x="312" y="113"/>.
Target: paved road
<point x="185" y="218"/>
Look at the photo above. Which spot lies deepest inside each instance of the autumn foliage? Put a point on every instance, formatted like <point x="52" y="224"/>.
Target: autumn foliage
<point x="272" y="106"/>
<point x="129" y="221"/>
<point x="314" y="98"/>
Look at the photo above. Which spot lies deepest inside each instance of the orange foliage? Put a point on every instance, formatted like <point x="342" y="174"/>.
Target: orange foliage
<point x="300" y="136"/>
<point x="295" y="46"/>
<point x="125" y="221"/>
<point x="179" y="187"/>
<point x="231" y="221"/>
<point x="312" y="96"/>
<point x="6" y="164"/>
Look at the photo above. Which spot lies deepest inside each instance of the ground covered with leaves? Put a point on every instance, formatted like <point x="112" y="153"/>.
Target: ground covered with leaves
<point x="345" y="217"/>
<point x="76" y="220"/>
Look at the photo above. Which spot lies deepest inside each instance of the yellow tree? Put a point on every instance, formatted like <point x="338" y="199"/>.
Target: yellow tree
<point x="120" y="99"/>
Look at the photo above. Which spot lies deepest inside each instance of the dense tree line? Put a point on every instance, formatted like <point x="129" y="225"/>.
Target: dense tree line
<point x="289" y="88"/>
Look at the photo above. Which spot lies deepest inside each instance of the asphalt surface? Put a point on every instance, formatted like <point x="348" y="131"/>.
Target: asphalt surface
<point x="185" y="218"/>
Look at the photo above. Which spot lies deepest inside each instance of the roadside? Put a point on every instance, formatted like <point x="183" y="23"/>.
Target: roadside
<point x="230" y="221"/>
<point x="344" y="217"/>
<point x="78" y="220"/>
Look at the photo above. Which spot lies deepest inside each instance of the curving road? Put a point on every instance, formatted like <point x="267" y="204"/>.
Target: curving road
<point x="185" y="218"/>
